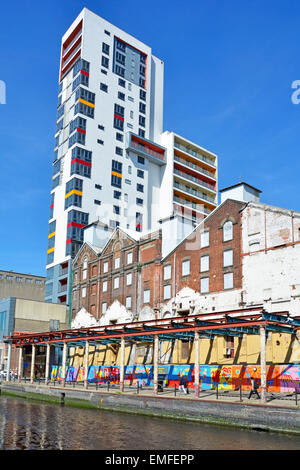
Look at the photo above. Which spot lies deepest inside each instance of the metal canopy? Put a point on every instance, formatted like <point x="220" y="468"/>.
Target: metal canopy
<point x="230" y="323"/>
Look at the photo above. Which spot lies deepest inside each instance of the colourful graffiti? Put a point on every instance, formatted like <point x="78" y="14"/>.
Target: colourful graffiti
<point x="283" y="378"/>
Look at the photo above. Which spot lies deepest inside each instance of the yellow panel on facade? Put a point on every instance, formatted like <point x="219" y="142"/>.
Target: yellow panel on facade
<point x="119" y="175"/>
<point x="74" y="191"/>
<point x="51" y="235"/>
<point x="91" y="105"/>
<point x="50" y="250"/>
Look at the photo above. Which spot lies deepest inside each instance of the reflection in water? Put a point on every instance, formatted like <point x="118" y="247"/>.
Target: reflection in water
<point x="30" y="425"/>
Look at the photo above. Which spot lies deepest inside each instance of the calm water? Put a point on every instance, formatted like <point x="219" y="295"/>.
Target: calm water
<point x="30" y="425"/>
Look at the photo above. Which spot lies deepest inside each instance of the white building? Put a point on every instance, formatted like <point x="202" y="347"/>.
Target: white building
<point x="112" y="161"/>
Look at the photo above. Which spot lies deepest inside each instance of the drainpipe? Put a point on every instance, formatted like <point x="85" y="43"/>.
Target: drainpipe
<point x="70" y="298"/>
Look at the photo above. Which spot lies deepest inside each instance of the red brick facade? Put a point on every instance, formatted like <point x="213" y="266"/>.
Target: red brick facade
<point x="134" y="272"/>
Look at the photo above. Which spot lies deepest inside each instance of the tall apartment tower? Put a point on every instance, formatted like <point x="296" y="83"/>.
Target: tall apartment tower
<point x="112" y="161"/>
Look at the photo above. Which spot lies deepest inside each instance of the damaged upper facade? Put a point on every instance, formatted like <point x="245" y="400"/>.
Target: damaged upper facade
<point x="242" y="254"/>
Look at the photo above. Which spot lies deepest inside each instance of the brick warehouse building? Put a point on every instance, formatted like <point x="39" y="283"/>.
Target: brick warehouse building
<point x="243" y="254"/>
<point x="221" y="260"/>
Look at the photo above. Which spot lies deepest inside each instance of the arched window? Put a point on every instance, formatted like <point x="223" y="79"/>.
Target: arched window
<point x="84" y="268"/>
<point x="227" y="231"/>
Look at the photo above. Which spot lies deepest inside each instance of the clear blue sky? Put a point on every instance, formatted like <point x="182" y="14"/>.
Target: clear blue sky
<point x="229" y="66"/>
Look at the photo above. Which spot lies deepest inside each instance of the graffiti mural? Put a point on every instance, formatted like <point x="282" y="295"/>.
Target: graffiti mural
<point x="283" y="378"/>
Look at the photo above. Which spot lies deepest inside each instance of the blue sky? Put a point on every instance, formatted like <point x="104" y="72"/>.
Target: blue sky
<point x="229" y="67"/>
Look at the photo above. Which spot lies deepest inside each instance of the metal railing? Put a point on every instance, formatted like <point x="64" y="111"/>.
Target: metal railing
<point x="195" y="154"/>
<point x="194" y="179"/>
<point x="194" y="166"/>
<point x="145" y="149"/>
<point x="193" y="192"/>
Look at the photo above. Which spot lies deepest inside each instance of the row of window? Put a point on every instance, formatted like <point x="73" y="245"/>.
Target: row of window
<point x="8" y="277"/>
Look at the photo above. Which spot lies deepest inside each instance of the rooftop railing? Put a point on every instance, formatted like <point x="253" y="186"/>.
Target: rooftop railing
<point x="195" y="154"/>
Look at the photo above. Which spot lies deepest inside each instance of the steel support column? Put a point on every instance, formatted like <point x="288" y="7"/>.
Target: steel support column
<point x="20" y="366"/>
<point x="86" y="363"/>
<point x="155" y="363"/>
<point x="122" y="361"/>
<point x="263" y="374"/>
<point x="8" y="362"/>
<point x="64" y="362"/>
<point x="196" y="367"/>
<point x="33" y="347"/>
<point x="47" y="364"/>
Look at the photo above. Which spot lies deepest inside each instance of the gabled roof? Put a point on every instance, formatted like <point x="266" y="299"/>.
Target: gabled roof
<point x="202" y="223"/>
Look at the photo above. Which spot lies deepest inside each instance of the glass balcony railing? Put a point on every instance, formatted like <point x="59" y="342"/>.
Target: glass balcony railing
<point x="195" y="154"/>
<point x="194" y="166"/>
<point x="194" y="192"/>
<point x="147" y="150"/>
<point x="192" y="205"/>
<point x="194" y="179"/>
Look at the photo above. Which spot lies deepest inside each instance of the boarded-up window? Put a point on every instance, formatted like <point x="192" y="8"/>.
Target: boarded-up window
<point x="94" y="270"/>
<point x="185" y="350"/>
<point x="93" y="289"/>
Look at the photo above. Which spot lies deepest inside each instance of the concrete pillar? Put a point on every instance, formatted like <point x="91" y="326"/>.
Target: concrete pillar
<point x="64" y="362"/>
<point x="122" y="362"/>
<point x="86" y="363"/>
<point x="263" y="374"/>
<point x="32" y="363"/>
<point x="155" y="363"/>
<point x="8" y="362"/>
<point x="196" y="367"/>
<point x="47" y="364"/>
<point x="20" y="366"/>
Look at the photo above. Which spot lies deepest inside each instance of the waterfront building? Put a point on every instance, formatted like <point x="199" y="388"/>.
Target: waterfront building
<point x="22" y="285"/>
<point x="244" y="254"/>
<point x="19" y="316"/>
<point x="113" y="162"/>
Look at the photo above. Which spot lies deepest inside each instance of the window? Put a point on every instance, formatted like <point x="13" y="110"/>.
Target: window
<point x="117" y="263"/>
<point x="128" y="279"/>
<point x="129" y="257"/>
<point x="116" y="282"/>
<point x="142" y="121"/>
<point x="97" y="202"/>
<point x="105" y="62"/>
<point x="142" y="95"/>
<point x="140" y="173"/>
<point x="146" y="296"/>
<point x="19" y="279"/>
<point x="9" y="278"/>
<point x="121" y="96"/>
<point x="140" y="188"/>
<point x="84" y="268"/>
<point x="128" y="302"/>
<point x="104" y="286"/>
<point x="100" y="141"/>
<point x="83" y="292"/>
<point x="139" y="201"/>
<point x="98" y="186"/>
<point x="167" y="291"/>
<point x="37" y="281"/>
<point x="119" y="70"/>
<point x="119" y="137"/>
<point x="131" y="114"/>
<point x="227" y="231"/>
<point x="228" y="281"/>
<point x="186" y="267"/>
<point x="142" y="133"/>
<point x="167" y="272"/>
<point x="119" y="151"/>
<point x="103" y="87"/>
<point x="105" y="267"/>
<point x="204" y="263"/>
<point x="204" y="239"/>
<point x="204" y="285"/>
<point x="117" y="194"/>
<point x="228" y="258"/>
<point x="122" y="83"/>
<point x="141" y="160"/>
<point x="104" y="71"/>
<point x="105" y="48"/>
<point x="104" y="307"/>
<point x="142" y="108"/>
<point x="107" y="32"/>
<point x="100" y="127"/>
<point x="116" y="209"/>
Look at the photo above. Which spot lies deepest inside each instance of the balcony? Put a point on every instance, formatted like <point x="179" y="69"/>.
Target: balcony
<point x="194" y="166"/>
<point x="194" y="192"/>
<point x="146" y="148"/>
<point x="195" y="180"/>
<point x="195" y="154"/>
<point x="191" y="205"/>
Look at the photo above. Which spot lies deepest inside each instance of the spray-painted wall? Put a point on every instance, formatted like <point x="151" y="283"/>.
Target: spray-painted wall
<point x="280" y="378"/>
